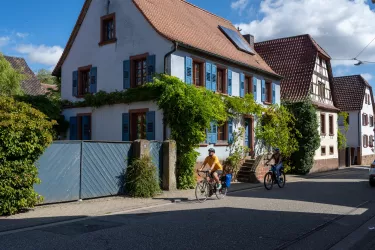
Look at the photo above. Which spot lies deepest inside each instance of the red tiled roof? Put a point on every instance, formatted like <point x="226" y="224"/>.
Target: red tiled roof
<point x="30" y="85"/>
<point x="294" y="59"/>
<point x="187" y="24"/>
<point x="350" y="92"/>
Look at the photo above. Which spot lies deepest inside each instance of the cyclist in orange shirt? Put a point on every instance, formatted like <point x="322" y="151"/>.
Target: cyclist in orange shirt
<point x="216" y="168"/>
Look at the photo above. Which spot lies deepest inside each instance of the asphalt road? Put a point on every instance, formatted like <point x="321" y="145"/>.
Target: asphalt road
<point x="331" y="212"/>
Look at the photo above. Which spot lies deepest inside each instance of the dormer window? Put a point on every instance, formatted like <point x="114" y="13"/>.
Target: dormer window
<point x="108" y="29"/>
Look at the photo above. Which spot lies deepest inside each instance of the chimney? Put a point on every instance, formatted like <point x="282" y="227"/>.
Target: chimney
<point x="250" y="39"/>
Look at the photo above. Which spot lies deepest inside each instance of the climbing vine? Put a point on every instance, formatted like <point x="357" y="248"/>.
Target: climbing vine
<point x="189" y="110"/>
<point x="341" y="133"/>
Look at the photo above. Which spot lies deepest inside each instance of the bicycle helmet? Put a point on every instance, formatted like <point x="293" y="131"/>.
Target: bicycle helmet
<point x="277" y="149"/>
<point x="211" y="150"/>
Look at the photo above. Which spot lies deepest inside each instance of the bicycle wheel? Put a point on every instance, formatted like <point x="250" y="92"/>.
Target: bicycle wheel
<point x="268" y="181"/>
<point x="221" y="193"/>
<point x="282" y="180"/>
<point x="201" y="191"/>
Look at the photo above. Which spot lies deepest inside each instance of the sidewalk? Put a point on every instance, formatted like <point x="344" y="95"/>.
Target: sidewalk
<point x="48" y="214"/>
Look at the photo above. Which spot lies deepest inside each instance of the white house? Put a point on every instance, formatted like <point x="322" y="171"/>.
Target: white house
<point x="119" y="44"/>
<point x="354" y="96"/>
<point x="307" y="73"/>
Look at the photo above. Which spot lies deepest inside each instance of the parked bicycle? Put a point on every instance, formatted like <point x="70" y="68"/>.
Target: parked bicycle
<point x="205" y="188"/>
<point x="271" y="178"/>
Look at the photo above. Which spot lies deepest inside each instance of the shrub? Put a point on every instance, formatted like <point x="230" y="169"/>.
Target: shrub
<point x="141" y="179"/>
<point x="307" y="124"/>
<point x="24" y="135"/>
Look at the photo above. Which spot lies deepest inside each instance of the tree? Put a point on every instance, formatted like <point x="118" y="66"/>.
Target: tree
<point x="307" y="124"/>
<point x="10" y="79"/>
<point x="46" y="77"/>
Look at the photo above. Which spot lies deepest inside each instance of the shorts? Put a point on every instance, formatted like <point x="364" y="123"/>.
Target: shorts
<point x="219" y="172"/>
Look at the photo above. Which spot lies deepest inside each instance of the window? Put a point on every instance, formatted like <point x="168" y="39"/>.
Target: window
<point x="83" y="81"/>
<point x="365" y="141"/>
<point x="248" y="85"/>
<point x="108" y="29"/>
<point x="322" y="89"/>
<point x="140" y="67"/>
<point x="268" y="92"/>
<point x="220" y="81"/>
<point x="322" y="124"/>
<point x="331" y="125"/>
<point x="371" y="141"/>
<point x="371" y="121"/>
<point x="222" y="132"/>
<point x="331" y="150"/>
<point x="80" y="127"/>
<point x="198" y="73"/>
<point x="138" y="124"/>
<point x="323" y="150"/>
<point x="364" y="119"/>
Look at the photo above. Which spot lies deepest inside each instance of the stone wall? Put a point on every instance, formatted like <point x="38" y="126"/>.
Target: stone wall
<point x="325" y="165"/>
<point x="367" y="159"/>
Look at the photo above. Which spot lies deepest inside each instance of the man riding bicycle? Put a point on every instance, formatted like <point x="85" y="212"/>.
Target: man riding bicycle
<point x="216" y="168"/>
<point x="278" y="162"/>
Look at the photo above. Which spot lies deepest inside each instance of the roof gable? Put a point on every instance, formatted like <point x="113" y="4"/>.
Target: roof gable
<point x="189" y="25"/>
<point x="30" y="85"/>
<point x="350" y="88"/>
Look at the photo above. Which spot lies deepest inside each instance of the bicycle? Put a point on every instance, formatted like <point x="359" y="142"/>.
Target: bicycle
<point x="270" y="178"/>
<point x="208" y="188"/>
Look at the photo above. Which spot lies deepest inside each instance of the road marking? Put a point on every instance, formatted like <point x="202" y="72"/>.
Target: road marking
<point x="79" y="219"/>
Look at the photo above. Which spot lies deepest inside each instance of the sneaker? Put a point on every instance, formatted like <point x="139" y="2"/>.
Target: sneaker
<point x="218" y="186"/>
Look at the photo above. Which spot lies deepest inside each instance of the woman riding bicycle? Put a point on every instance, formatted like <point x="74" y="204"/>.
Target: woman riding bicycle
<point x="278" y="162"/>
<point x="216" y="168"/>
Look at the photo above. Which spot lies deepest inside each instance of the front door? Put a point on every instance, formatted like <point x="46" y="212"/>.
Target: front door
<point x="249" y="133"/>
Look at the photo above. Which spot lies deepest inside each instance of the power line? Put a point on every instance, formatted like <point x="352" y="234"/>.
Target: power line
<point x="364" y="48"/>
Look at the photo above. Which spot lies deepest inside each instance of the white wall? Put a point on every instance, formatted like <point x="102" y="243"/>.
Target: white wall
<point x="367" y="130"/>
<point x="352" y="135"/>
<point x="107" y="120"/>
<point x="178" y="70"/>
<point x="327" y="140"/>
<point x="317" y="78"/>
<point x="134" y="36"/>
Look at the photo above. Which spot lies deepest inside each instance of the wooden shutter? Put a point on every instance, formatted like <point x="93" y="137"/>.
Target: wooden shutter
<point x="75" y="83"/>
<point x="255" y="82"/>
<point x="208" y="76"/>
<point x="126" y="70"/>
<point x="229" y="82"/>
<point x="86" y="128"/>
<point x="323" y="124"/>
<point x="73" y="128"/>
<point x="93" y="80"/>
<point x="273" y="93"/>
<point x="125" y="127"/>
<point x="151" y="61"/>
<point x="150" y="121"/>
<point x="242" y="85"/>
<point x="230" y="131"/>
<point x="214" y="77"/>
<point x="331" y="132"/>
<point x="263" y="90"/>
<point x="212" y="133"/>
<point x="188" y="70"/>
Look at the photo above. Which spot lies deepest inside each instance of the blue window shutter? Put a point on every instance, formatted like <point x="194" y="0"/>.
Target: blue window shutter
<point x="214" y="77"/>
<point x="188" y="70"/>
<point x="212" y="133"/>
<point x="229" y="82"/>
<point x="273" y="93"/>
<point x="208" y="76"/>
<point x="126" y="70"/>
<point x="73" y="128"/>
<point x="255" y="83"/>
<point x="75" y="83"/>
<point x="263" y="90"/>
<point x="86" y="128"/>
<point x="242" y="86"/>
<point x="247" y="132"/>
<point x="150" y="123"/>
<point x="230" y="131"/>
<point x="93" y="80"/>
<point x="151" y="61"/>
<point x="125" y="127"/>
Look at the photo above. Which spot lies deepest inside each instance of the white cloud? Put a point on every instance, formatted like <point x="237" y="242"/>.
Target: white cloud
<point x="342" y="27"/>
<point x="41" y="54"/>
<point x="239" y="5"/>
<point x="4" y="40"/>
<point x="21" y="35"/>
<point x="367" y="76"/>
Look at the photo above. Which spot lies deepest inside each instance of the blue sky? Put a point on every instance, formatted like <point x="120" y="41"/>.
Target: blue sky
<point x="342" y="27"/>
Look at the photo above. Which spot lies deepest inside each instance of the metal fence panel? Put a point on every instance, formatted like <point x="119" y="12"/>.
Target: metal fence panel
<point x="103" y="168"/>
<point x="59" y="171"/>
<point x="156" y="152"/>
